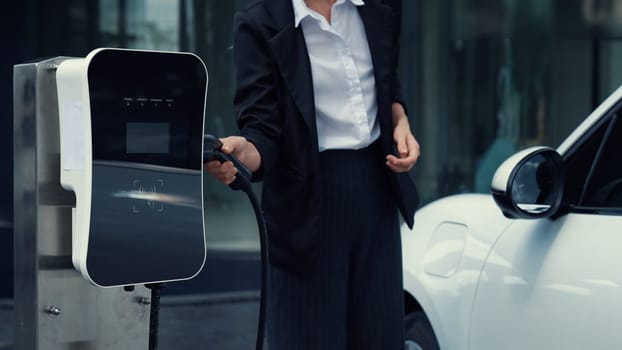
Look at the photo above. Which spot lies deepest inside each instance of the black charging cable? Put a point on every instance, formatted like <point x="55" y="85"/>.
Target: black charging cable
<point x="212" y="146"/>
<point x="212" y="151"/>
<point x="154" y="316"/>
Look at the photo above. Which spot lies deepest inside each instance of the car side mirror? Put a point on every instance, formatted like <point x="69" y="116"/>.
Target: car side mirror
<point x="530" y="184"/>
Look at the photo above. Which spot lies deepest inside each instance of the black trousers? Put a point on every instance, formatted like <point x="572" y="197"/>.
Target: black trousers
<point x="353" y="298"/>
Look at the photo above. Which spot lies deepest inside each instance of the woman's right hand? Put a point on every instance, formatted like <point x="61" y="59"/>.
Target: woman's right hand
<point x="243" y="150"/>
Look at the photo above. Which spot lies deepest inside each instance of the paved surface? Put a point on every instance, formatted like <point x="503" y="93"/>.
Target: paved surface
<point x="223" y="325"/>
<point x="216" y="321"/>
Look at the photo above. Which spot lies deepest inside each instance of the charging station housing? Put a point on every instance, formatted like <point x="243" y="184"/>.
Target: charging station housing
<point x="99" y="209"/>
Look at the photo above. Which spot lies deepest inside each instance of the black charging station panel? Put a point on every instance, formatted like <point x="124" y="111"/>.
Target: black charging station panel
<point x="147" y="115"/>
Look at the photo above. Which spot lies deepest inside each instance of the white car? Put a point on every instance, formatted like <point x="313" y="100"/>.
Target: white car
<point x="537" y="264"/>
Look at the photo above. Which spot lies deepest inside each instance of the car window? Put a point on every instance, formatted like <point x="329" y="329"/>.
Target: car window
<point x="604" y="184"/>
<point x="578" y="162"/>
<point x="593" y="171"/>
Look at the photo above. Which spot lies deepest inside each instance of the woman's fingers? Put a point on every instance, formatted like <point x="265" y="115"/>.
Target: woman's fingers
<point x="223" y="172"/>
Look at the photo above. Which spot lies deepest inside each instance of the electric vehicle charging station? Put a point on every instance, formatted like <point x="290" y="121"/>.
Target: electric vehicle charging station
<point x="131" y="149"/>
<point x="108" y="156"/>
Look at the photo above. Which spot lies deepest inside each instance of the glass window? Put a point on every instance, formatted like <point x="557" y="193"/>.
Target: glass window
<point x="579" y="161"/>
<point x="604" y="186"/>
<point x="593" y="177"/>
<point x="502" y="79"/>
<point x="142" y="24"/>
<point x="499" y="76"/>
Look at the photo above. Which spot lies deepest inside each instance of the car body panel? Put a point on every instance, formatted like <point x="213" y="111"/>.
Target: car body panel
<point x="447" y="298"/>
<point x="552" y="285"/>
<point x="489" y="282"/>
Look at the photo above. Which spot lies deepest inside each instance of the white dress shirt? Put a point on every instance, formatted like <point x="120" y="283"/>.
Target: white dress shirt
<point x="343" y="75"/>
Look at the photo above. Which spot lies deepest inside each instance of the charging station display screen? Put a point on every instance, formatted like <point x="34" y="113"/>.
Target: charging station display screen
<point x="147" y="138"/>
<point x="147" y="108"/>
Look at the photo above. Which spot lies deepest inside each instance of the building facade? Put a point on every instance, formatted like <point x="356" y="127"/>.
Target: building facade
<point x="483" y="79"/>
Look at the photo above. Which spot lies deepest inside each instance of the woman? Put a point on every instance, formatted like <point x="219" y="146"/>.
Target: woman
<point x="320" y="113"/>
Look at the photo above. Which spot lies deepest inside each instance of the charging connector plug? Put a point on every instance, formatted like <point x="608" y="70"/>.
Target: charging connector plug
<point x="212" y="151"/>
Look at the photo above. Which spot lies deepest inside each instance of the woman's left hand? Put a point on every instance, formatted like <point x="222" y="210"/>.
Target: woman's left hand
<point x="407" y="146"/>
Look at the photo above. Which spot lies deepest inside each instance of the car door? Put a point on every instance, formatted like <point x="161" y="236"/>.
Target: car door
<point x="556" y="283"/>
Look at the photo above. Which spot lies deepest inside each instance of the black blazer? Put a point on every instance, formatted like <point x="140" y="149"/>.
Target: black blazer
<point x="274" y="107"/>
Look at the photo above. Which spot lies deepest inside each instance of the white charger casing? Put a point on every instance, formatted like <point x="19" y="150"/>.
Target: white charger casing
<point x="76" y="161"/>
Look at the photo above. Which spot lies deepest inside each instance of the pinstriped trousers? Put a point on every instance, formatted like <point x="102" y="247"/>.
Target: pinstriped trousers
<point x="352" y="298"/>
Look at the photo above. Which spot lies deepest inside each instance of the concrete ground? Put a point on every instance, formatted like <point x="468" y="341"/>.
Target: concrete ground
<point x="225" y="325"/>
<point x="225" y="321"/>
